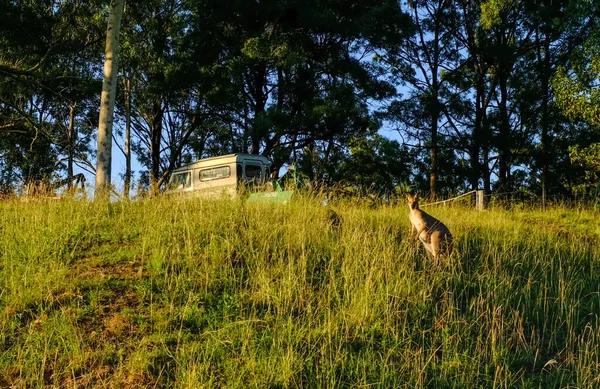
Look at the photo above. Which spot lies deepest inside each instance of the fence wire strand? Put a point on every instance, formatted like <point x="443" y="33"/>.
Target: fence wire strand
<point x="450" y="199"/>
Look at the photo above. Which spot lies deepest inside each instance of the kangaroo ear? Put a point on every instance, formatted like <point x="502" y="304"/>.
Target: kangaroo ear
<point x="416" y="196"/>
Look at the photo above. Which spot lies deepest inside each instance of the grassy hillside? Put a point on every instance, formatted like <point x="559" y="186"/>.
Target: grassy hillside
<point x="217" y="294"/>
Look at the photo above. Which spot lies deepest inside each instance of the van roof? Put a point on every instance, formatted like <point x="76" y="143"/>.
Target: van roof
<point x="215" y="159"/>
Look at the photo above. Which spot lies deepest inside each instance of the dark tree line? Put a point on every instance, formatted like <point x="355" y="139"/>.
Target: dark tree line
<point x="497" y="94"/>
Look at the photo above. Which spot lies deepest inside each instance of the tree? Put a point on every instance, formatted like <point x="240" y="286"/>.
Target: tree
<point x="430" y="53"/>
<point x="577" y="89"/>
<point x="471" y="89"/>
<point x="577" y="85"/>
<point x="502" y="20"/>
<point x="45" y="81"/>
<point x="261" y="77"/>
<point x="375" y="164"/>
<point x="107" y="102"/>
<point x="171" y="69"/>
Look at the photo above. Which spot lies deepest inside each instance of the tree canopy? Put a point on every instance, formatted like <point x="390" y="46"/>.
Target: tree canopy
<point x="444" y="96"/>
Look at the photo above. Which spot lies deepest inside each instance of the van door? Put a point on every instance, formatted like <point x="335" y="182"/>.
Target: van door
<point x="254" y="172"/>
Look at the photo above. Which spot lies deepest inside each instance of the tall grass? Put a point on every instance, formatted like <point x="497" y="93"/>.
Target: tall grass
<point x="192" y="293"/>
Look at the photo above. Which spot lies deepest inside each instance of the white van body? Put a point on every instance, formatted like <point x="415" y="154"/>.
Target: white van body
<point x="219" y="176"/>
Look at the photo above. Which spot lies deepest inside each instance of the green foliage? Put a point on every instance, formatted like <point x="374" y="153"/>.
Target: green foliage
<point x="375" y="164"/>
<point x="26" y="159"/>
<point x="588" y="156"/>
<point x="491" y="11"/>
<point x="265" y="77"/>
<point x="44" y="72"/>
<point x="464" y="82"/>
<point x="589" y="159"/>
<point x="576" y="86"/>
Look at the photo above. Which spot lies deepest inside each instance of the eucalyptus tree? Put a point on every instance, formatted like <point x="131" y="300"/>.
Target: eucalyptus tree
<point x="107" y="101"/>
<point x="504" y="113"/>
<point x="505" y="24"/>
<point x="23" y="32"/>
<point x="577" y="81"/>
<point x="375" y="164"/>
<point x="525" y="43"/>
<point x="46" y="74"/>
<point x="300" y="75"/>
<point x="576" y="86"/>
<point x="471" y="88"/>
<point x="557" y="29"/>
<point x="75" y="84"/>
<point x="423" y="63"/>
<point x="145" y="48"/>
<point x="172" y="82"/>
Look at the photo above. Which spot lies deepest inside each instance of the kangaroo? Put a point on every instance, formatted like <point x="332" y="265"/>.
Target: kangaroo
<point x="435" y="236"/>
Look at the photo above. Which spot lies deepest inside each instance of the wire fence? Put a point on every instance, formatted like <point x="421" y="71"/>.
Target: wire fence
<point x="469" y="195"/>
<point x="525" y="199"/>
<point x="521" y="199"/>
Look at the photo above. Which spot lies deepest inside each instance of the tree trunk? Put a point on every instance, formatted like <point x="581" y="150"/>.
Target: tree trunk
<point x="155" y="140"/>
<point x="435" y="114"/>
<point x="504" y="139"/>
<point x="434" y="158"/>
<point x="477" y="148"/>
<point x="107" y="101"/>
<point x="70" y="151"/>
<point x="258" y="77"/>
<point x="545" y="120"/>
<point x="486" y="138"/>
<point x="487" y="181"/>
<point x="309" y="169"/>
<point x="325" y="162"/>
<point x="127" y="180"/>
<point x="480" y="106"/>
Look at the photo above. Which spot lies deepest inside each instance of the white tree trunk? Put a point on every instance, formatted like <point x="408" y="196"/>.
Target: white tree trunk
<point x="107" y="101"/>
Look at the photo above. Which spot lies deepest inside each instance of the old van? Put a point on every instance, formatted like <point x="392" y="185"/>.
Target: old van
<point x="220" y="176"/>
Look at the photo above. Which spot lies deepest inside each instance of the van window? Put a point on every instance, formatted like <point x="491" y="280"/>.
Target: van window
<point x="239" y="171"/>
<point x="181" y="180"/>
<point x="215" y="173"/>
<point x="253" y="172"/>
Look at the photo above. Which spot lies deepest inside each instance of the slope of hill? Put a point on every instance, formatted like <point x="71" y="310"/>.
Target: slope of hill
<point x="197" y="293"/>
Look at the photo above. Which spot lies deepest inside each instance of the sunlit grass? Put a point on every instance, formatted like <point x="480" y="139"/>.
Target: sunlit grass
<point x="192" y="293"/>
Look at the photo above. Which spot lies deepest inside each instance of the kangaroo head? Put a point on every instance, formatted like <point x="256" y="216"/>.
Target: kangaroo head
<point x="413" y="201"/>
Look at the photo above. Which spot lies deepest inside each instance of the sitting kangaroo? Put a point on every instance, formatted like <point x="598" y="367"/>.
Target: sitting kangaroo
<point x="435" y="236"/>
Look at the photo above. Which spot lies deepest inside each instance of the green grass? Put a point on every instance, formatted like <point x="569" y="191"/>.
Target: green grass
<point x="215" y="294"/>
